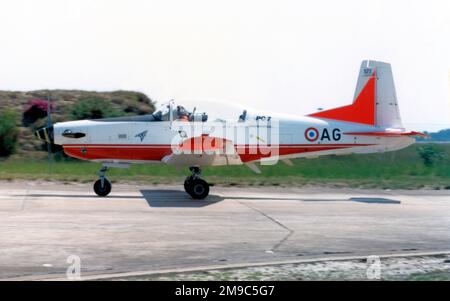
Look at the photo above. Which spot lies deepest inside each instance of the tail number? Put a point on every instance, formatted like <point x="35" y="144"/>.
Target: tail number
<point x="312" y="134"/>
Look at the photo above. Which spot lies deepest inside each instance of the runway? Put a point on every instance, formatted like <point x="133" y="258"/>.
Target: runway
<point x="144" y="228"/>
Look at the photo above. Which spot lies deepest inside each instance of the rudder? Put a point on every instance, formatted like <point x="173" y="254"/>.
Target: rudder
<point x="387" y="114"/>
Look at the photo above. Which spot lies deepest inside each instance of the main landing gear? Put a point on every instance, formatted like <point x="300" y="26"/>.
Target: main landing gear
<point x="102" y="186"/>
<point x="196" y="187"/>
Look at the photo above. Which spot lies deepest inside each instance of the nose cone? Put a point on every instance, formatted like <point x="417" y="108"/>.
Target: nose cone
<point x="45" y="134"/>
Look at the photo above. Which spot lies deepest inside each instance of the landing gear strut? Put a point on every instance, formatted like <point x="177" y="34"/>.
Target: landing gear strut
<point x="102" y="186"/>
<point x="196" y="187"/>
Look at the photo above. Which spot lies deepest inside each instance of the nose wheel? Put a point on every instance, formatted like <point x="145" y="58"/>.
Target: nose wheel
<point x="196" y="187"/>
<point x="102" y="187"/>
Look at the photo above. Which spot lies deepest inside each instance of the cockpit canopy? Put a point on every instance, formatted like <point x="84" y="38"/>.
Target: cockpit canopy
<point x="200" y="111"/>
<point x="190" y="111"/>
<point x="179" y="113"/>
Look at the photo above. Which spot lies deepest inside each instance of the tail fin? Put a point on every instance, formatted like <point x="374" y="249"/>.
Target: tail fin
<point x="375" y="101"/>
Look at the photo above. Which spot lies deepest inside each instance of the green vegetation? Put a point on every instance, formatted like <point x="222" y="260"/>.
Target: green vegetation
<point x="394" y="170"/>
<point x="94" y="108"/>
<point x="429" y="154"/>
<point x="66" y="105"/>
<point x="9" y="132"/>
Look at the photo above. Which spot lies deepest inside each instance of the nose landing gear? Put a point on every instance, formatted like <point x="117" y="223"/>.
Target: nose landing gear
<point x="102" y="186"/>
<point x="196" y="187"/>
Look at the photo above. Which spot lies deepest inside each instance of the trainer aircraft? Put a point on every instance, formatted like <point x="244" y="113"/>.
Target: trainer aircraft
<point x="192" y="136"/>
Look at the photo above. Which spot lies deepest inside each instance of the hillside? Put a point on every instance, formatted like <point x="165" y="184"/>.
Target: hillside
<point x="441" y="136"/>
<point x="63" y="102"/>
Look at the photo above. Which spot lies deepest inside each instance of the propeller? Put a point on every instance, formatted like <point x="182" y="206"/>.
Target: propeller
<point x="46" y="133"/>
<point x="49" y="127"/>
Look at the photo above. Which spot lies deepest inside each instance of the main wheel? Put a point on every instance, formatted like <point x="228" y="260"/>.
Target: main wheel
<point x="102" y="191"/>
<point x="198" y="189"/>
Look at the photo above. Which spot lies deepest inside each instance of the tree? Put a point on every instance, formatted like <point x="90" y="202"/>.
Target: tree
<point x="93" y="108"/>
<point x="428" y="154"/>
<point x="9" y="133"/>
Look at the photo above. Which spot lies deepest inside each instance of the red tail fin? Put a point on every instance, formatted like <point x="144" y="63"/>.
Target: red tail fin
<point x="361" y="111"/>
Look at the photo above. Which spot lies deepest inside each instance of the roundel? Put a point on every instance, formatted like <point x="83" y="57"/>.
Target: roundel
<point x="311" y="134"/>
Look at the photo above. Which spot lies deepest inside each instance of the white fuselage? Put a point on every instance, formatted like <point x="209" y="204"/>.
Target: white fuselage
<point x="259" y="138"/>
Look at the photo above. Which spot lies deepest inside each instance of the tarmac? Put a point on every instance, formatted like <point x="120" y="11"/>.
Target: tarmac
<point x="140" y="229"/>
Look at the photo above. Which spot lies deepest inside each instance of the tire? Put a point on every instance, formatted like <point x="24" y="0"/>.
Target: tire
<point x="102" y="191"/>
<point x="198" y="189"/>
<point x="187" y="185"/>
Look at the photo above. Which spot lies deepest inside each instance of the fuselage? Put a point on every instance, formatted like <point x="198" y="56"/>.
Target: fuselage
<point x="252" y="140"/>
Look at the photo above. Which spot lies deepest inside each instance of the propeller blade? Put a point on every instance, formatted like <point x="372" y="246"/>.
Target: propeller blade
<point x="49" y="126"/>
<point x="49" y="112"/>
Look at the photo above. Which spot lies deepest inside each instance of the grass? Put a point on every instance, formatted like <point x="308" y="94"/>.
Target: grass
<point x="395" y="170"/>
<point x="437" y="275"/>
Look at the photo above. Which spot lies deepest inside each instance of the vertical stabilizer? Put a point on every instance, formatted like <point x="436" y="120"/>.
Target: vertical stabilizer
<point x="375" y="100"/>
<point x="387" y="114"/>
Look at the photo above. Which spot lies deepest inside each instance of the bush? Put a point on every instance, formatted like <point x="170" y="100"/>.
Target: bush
<point x="93" y="108"/>
<point x="429" y="155"/>
<point x="36" y="110"/>
<point x="9" y="133"/>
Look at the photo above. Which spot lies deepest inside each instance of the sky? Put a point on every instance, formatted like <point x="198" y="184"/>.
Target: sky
<point x="284" y="56"/>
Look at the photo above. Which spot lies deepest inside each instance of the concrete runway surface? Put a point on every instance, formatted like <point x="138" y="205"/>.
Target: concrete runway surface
<point x="145" y="228"/>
